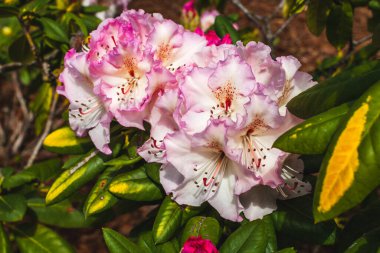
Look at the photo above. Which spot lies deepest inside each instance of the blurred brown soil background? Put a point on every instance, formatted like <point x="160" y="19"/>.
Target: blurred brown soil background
<point x="296" y="40"/>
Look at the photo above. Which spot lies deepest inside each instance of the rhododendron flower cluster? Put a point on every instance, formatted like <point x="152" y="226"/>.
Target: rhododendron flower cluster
<point x="214" y="110"/>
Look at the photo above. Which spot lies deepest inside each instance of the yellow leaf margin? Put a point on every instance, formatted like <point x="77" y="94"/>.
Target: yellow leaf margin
<point x="344" y="160"/>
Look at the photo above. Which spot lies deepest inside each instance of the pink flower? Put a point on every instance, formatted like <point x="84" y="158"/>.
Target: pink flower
<point x="213" y="39"/>
<point x="189" y="6"/>
<point x="86" y="112"/>
<point x="200" y="168"/>
<point x="198" y="245"/>
<point x="173" y="45"/>
<point x="218" y="93"/>
<point x="208" y="19"/>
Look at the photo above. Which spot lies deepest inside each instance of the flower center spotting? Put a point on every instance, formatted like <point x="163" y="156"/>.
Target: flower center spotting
<point x="210" y="174"/>
<point x="88" y="111"/>
<point x="225" y="96"/>
<point x="254" y="153"/>
<point x="164" y="52"/>
<point x="125" y="92"/>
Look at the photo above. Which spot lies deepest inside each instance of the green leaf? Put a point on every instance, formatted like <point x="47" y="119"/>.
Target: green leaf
<point x="54" y="30"/>
<point x="91" y="21"/>
<point x="287" y="250"/>
<point x="78" y="21"/>
<point x="41" y="171"/>
<point x="123" y="160"/>
<point x="41" y="107"/>
<point x="135" y="185"/>
<point x="292" y="7"/>
<point x="206" y="227"/>
<point x="368" y="243"/>
<point x="75" y="177"/>
<point x="64" y="141"/>
<point x="5" y="246"/>
<point x="365" y="220"/>
<point x="317" y="12"/>
<point x="35" y="6"/>
<point x="62" y="214"/>
<point x="339" y="24"/>
<point x="167" y="222"/>
<point x="224" y="26"/>
<point x="146" y="242"/>
<point x="257" y="236"/>
<point x="335" y="91"/>
<point x="153" y="171"/>
<point x="32" y="239"/>
<point x="350" y="169"/>
<point x="313" y="135"/>
<point x="294" y="221"/>
<point x="19" y="50"/>
<point x="100" y="198"/>
<point x="168" y="247"/>
<point x="8" y="11"/>
<point x="94" y="9"/>
<point x="190" y="211"/>
<point x="117" y="243"/>
<point x="12" y="207"/>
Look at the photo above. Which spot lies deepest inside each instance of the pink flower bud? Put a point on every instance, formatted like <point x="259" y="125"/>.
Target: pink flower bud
<point x="198" y="245"/>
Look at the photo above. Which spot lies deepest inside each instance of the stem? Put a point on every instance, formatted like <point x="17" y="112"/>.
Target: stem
<point x="256" y="20"/>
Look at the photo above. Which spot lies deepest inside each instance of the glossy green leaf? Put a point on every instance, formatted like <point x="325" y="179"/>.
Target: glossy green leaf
<point x="317" y="12"/>
<point x="190" y="211"/>
<point x="294" y="220"/>
<point x="62" y="214"/>
<point x="335" y="91"/>
<point x="146" y="242"/>
<point x="32" y="239"/>
<point x="5" y="246"/>
<point x="350" y="169"/>
<point x="314" y="134"/>
<point x="153" y="171"/>
<point x="123" y="160"/>
<point x="168" y="247"/>
<point x="8" y="11"/>
<point x="65" y="141"/>
<point x="19" y="50"/>
<point x="117" y="243"/>
<point x="206" y="227"/>
<point x="224" y="26"/>
<point x="135" y="185"/>
<point x="365" y="220"/>
<point x="100" y="199"/>
<point x="12" y="207"/>
<point x="339" y="24"/>
<point x="41" y="171"/>
<point x="167" y="222"/>
<point x="368" y="243"/>
<point x="257" y="236"/>
<point x="54" y="30"/>
<point x="75" y="177"/>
